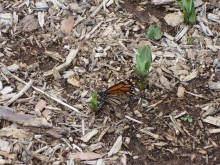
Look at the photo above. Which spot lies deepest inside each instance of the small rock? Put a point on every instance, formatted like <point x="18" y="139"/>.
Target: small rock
<point x="214" y="85"/>
<point x="1" y="7"/>
<point x="1" y="85"/>
<point x="6" y="90"/>
<point x="174" y="19"/>
<point x="136" y="28"/>
<point x="180" y="92"/>
<point x="137" y="113"/>
<point x="138" y="136"/>
<point x="135" y="157"/>
<point x="41" y="5"/>
<point x="1" y="54"/>
<point x="127" y="140"/>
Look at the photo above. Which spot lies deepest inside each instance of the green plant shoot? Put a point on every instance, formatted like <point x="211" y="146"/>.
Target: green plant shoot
<point x="187" y="118"/>
<point x="189" y="11"/>
<point x="94" y="102"/>
<point x="143" y="62"/>
<point x="190" y="41"/>
<point x="154" y="33"/>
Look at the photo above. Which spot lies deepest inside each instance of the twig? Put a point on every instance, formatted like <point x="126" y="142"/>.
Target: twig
<point x="193" y="137"/>
<point x="196" y="95"/>
<point x="176" y="124"/>
<point x="128" y="117"/>
<point x="99" y="8"/>
<point x="39" y="90"/>
<point x="83" y="127"/>
<point x="161" y="2"/>
<point x="72" y="54"/>
<point x="216" y="130"/>
<point x="153" y="105"/>
<point x="155" y="136"/>
<point x="179" y="115"/>
<point x="6" y="78"/>
<point x="20" y="93"/>
<point x="93" y="30"/>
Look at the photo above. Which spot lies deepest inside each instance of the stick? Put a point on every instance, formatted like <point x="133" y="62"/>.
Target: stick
<point x="129" y="118"/>
<point x="193" y="94"/>
<point x="161" y="2"/>
<point x="39" y="90"/>
<point x="155" y="136"/>
<point x="19" y="94"/>
<point x="176" y="124"/>
<point x="93" y="30"/>
<point x="72" y="54"/>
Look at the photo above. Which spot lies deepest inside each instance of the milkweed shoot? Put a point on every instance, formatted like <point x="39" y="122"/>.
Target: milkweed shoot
<point x="143" y="63"/>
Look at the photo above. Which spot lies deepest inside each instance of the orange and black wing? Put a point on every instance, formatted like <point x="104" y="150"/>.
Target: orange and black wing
<point x="125" y="87"/>
<point x="119" y="94"/>
<point x="111" y="95"/>
<point x="120" y="88"/>
<point x="118" y="100"/>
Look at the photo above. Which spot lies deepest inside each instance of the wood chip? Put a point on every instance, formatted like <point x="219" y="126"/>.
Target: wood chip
<point x="84" y="156"/>
<point x="89" y="135"/>
<point x="116" y="147"/>
<point x="212" y="120"/>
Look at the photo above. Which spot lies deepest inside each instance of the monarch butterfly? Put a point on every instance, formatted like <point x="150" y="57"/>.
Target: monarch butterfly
<point x="119" y="93"/>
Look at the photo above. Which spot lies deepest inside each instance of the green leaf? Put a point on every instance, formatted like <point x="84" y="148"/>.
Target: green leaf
<point x="154" y="33"/>
<point x="190" y="119"/>
<point x="189" y="11"/>
<point x="190" y="41"/>
<point x="187" y="118"/>
<point x="184" y="118"/>
<point x="143" y="61"/>
<point x="94" y="102"/>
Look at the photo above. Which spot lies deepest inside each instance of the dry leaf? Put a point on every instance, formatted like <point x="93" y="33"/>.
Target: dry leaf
<point x="13" y="68"/>
<point x="28" y="23"/>
<point x="56" y="74"/>
<point x="73" y="81"/>
<point x="54" y="55"/>
<point x="164" y="81"/>
<point x="67" y="25"/>
<point x="189" y="77"/>
<point x="39" y="107"/>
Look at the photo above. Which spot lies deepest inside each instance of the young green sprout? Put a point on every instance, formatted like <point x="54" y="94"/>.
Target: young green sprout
<point x="143" y="62"/>
<point x="154" y="33"/>
<point x="190" y="41"/>
<point x="189" y="11"/>
<point x="94" y="102"/>
<point x="187" y="118"/>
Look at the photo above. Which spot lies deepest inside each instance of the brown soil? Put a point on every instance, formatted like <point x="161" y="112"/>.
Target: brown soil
<point x="141" y="148"/>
